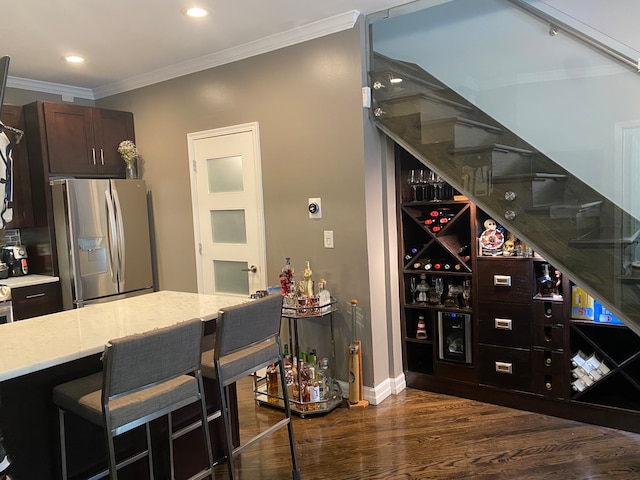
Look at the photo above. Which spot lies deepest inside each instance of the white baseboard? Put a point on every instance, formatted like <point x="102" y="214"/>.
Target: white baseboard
<point x="376" y="395"/>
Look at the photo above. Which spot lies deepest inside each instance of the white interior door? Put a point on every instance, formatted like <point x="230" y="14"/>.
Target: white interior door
<point x="226" y="192"/>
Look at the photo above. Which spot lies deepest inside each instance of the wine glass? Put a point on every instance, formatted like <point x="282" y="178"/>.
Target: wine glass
<point x="412" y="287"/>
<point x="433" y="180"/>
<point x="439" y="185"/>
<point x="423" y="179"/>
<point x="438" y="285"/>
<point x="466" y="292"/>
<point x="413" y="183"/>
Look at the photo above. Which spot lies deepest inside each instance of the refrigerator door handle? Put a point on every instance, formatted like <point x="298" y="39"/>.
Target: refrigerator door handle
<point x="121" y="242"/>
<point x="113" y="239"/>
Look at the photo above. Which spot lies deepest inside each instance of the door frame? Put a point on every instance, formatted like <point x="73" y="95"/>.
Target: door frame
<point x="217" y="132"/>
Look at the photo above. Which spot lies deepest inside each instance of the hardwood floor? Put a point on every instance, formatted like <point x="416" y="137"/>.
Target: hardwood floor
<point x="423" y="435"/>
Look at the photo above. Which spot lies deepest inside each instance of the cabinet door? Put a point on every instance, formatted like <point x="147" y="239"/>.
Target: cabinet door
<point x="70" y="140"/>
<point x="110" y="128"/>
<point x="22" y="203"/>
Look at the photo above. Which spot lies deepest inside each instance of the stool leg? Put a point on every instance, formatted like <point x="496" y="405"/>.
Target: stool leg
<point x="63" y="445"/>
<point x="113" y="466"/>
<point x="287" y="410"/>
<point x="170" y="427"/>
<point x="205" y="425"/>
<point x="149" y="454"/>
<point x="227" y="427"/>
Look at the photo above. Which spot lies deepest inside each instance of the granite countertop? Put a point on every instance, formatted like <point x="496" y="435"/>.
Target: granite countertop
<point x="51" y="340"/>
<point x="28" y="280"/>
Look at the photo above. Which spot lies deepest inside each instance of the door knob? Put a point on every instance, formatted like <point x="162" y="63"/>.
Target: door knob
<point x="252" y="269"/>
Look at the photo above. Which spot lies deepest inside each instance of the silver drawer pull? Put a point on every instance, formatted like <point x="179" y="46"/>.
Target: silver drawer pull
<point x="35" y="295"/>
<point x="503" y="367"/>
<point x="503" y="323"/>
<point x="502" y="280"/>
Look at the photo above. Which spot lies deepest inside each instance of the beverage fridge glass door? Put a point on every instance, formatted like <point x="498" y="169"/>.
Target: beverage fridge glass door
<point x="454" y="337"/>
<point x="132" y="223"/>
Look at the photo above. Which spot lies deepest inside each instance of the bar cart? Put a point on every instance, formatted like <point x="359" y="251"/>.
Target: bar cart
<point x="332" y="396"/>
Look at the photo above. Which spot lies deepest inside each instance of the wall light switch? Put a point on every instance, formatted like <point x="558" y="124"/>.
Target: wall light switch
<point x="328" y="239"/>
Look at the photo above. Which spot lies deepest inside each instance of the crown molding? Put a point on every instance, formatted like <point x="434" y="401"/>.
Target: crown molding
<point x="48" y="87"/>
<point x="327" y="26"/>
<point x="330" y="25"/>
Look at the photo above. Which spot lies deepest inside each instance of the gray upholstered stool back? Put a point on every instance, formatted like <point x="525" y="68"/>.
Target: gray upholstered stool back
<point x="145" y="376"/>
<point x="248" y="339"/>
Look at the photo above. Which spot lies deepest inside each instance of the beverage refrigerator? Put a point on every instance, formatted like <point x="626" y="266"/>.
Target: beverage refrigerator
<point x="102" y="239"/>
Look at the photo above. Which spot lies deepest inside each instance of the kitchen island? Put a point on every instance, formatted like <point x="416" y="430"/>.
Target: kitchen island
<point x="40" y="353"/>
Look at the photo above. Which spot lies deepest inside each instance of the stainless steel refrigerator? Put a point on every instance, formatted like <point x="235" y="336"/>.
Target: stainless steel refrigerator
<point x="102" y="239"/>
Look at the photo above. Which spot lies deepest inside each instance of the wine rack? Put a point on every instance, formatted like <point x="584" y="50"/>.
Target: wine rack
<point x="619" y="349"/>
<point x="437" y="250"/>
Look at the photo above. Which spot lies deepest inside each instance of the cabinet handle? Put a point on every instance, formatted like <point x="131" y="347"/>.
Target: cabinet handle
<point x="93" y="155"/>
<point x="34" y="295"/>
<point x="503" y="323"/>
<point x="504" y="367"/>
<point x="102" y="157"/>
<point x="502" y="280"/>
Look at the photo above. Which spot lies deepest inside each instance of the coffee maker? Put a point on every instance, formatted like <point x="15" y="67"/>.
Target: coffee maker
<point x="15" y="257"/>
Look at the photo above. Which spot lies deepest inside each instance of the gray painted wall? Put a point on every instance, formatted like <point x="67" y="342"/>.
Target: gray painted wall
<point x="307" y="101"/>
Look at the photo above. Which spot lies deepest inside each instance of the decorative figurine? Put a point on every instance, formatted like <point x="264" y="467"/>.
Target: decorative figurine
<point x="308" y="282"/>
<point x="422" y="328"/>
<point x="509" y="246"/>
<point x="492" y="238"/>
<point x="422" y="289"/>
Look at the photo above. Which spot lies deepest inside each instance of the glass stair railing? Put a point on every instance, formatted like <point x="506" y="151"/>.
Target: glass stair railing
<point x="577" y="228"/>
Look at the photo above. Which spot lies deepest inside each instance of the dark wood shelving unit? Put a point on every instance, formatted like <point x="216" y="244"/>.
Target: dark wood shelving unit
<point x="522" y="342"/>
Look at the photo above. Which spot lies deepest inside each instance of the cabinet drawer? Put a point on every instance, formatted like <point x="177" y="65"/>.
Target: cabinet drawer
<point x="548" y="361"/>
<point x="505" y="324"/>
<point x="548" y="312"/>
<point x="505" y="367"/>
<point x="36" y="300"/>
<point x="548" y="336"/>
<point x="505" y="280"/>
<point x="549" y="370"/>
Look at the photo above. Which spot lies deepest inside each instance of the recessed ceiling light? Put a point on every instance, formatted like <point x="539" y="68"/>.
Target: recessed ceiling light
<point x="196" y="12"/>
<point x="74" y="59"/>
<point x="396" y="80"/>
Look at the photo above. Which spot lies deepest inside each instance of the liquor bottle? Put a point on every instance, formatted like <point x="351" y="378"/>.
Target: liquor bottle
<point x="324" y="379"/>
<point x="314" y="386"/>
<point x="272" y="384"/>
<point x="546" y="285"/>
<point x="288" y="368"/>
<point x="287" y="284"/>
<point x="325" y="296"/>
<point x="304" y="384"/>
<point x="295" y="386"/>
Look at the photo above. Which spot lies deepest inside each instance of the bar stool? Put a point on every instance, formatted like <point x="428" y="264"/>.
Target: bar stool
<point x="248" y="339"/>
<point x="145" y="376"/>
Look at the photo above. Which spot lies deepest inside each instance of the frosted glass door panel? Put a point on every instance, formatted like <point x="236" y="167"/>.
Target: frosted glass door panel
<point x="231" y="277"/>
<point x="225" y="174"/>
<point x="228" y="226"/>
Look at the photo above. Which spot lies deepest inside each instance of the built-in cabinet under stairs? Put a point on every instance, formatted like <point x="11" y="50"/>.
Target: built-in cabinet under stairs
<point x="574" y="227"/>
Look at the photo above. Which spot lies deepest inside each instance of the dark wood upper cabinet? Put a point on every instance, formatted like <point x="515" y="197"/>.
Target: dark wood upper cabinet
<point x="22" y="203"/>
<point x="83" y="141"/>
